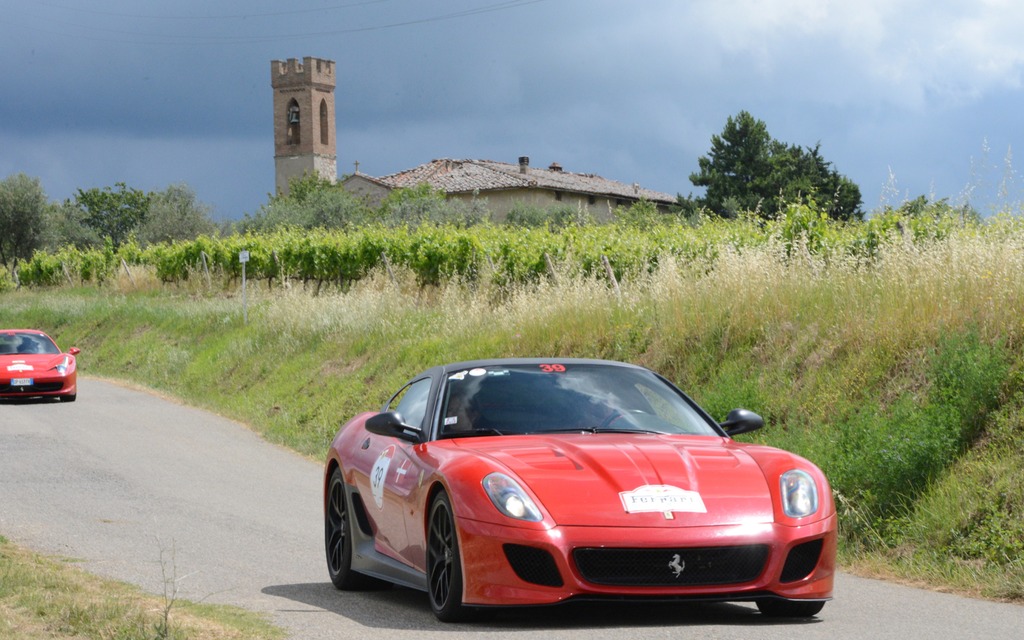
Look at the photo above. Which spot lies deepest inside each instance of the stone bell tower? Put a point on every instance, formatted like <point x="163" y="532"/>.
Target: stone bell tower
<point x="304" y="139"/>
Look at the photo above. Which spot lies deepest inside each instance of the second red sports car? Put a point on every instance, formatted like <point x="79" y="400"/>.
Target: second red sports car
<point x="31" y="364"/>
<point x="525" y="481"/>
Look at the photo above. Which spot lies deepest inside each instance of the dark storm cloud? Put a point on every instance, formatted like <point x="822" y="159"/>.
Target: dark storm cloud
<point x="154" y="93"/>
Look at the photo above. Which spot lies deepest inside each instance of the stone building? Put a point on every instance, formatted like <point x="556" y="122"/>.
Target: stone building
<point x="505" y="185"/>
<point x="305" y="144"/>
<point x="304" y="121"/>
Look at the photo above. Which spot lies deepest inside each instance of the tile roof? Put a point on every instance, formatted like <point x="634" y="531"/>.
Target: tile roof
<point x="464" y="176"/>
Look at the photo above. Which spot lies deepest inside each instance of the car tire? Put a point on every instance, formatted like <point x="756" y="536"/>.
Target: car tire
<point x="338" y="539"/>
<point x="444" y="563"/>
<point x="774" y="608"/>
<point x="70" y="397"/>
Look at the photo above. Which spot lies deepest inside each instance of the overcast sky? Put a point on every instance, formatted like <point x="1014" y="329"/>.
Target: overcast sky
<point x="906" y="97"/>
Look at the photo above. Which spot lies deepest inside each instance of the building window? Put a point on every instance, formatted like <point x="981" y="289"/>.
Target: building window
<point x="591" y="199"/>
<point x="292" y="121"/>
<point x="324" y="124"/>
<point x="558" y="196"/>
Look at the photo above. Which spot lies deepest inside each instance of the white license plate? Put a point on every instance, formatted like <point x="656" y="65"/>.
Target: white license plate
<point x="21" y="382"/>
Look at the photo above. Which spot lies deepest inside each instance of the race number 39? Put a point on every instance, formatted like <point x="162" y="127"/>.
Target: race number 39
<point x="379" y="473"/>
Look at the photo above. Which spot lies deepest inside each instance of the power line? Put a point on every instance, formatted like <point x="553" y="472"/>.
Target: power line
<point x="171" y="38"/>
<point x="240" y="16"/>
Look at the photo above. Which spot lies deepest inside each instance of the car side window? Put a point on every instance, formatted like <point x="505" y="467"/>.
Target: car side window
<point x="411" y="402"/>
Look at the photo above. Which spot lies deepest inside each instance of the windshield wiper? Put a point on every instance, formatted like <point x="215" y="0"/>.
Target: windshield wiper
<point x="598" y="430"/>
<point x="485" y="431"/>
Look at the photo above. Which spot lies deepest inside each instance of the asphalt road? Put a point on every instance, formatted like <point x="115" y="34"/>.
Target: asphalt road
<point x="155" y="493"/>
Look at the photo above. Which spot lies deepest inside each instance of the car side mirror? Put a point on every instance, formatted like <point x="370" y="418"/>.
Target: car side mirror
<point x="74" y="351"/>
<point x="391" y="424"/>
<point x="741" y="421"/>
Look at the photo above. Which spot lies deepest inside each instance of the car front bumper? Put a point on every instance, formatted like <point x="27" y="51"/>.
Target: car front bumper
<point x="41" y="386"/>
<point x="505" y="565"/>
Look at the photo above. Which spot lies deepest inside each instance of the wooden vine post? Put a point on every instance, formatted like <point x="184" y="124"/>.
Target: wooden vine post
<point x="611" y="277"/>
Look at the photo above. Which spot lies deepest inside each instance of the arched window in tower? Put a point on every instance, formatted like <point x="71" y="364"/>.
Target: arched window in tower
<point x="292" y="121"/>
<point x="324" y="131"/>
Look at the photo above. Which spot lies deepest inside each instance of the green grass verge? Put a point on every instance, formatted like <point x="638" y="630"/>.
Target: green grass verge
<point x="899" y="376"/>
<point x="46" y="598"/>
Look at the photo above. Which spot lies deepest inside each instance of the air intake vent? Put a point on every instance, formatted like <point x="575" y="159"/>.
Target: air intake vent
<point x="533" y="565"/>
<point x="801" y="561"/>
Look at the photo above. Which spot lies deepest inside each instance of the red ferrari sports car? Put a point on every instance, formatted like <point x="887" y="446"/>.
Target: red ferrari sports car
<point x="537" y="481"/>
<point x="31" y="364"/>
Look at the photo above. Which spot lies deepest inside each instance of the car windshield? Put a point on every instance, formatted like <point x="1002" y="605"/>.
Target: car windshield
<point x="566" y="398"/>
<point x="26" y="344"/>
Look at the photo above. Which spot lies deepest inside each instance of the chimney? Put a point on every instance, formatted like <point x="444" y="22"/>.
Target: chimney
<point x="524" y="164"/>
<point x="555" y="166"/>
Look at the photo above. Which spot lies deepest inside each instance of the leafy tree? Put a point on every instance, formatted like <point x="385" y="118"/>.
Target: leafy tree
<point x="801" y="173"/>
<point x="22" y="209"/>
<point x="922" y="207"/>
<point x="736" y="170"/>
<point x="747" y="170"/>
<point x="642" y="214"/>
<point x="312" y="202"/>
<point x="423" y="203"/>
<point x="560" y="216"/>
<point x="175" y="214"/>
<point x="336" y="209"/>
<point x="689" y="208"/>
<point x="309" y="185"/>
<point x="114" y="214"/>
<point x="66" y="226"/>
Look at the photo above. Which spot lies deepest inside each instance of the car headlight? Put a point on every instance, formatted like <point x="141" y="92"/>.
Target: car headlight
<point x="799" y="493"/>
<point x="62" y="368"/>
<point x="510" y="499"/>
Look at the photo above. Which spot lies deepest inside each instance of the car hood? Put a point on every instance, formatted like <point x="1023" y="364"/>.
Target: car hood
<point x="29" y="364"/>
<point x="636" y="480"/>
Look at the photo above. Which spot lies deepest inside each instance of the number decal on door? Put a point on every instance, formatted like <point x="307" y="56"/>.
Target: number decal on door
<point x="379" y="473"/>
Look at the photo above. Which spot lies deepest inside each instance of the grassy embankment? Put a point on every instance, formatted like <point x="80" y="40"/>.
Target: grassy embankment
<point x="46" y="598"/>
<point x="899" y="376"/>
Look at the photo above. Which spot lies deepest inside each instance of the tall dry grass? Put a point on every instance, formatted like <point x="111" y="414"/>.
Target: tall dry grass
<point x="889" y="370"/>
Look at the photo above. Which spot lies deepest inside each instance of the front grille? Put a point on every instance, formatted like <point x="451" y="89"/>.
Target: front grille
<point x="41" y="387"/>
<point x="671" y="567"/>
<point x="533" y="565"/>
<point x="801" y="560"/>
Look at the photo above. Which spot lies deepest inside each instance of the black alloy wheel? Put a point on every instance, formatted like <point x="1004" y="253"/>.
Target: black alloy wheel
<point x="444" y="565"/>
<point x="338" y="539"/>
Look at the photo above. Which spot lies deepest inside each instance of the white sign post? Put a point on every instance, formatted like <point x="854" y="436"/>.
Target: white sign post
<point x="243" y="257"/>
